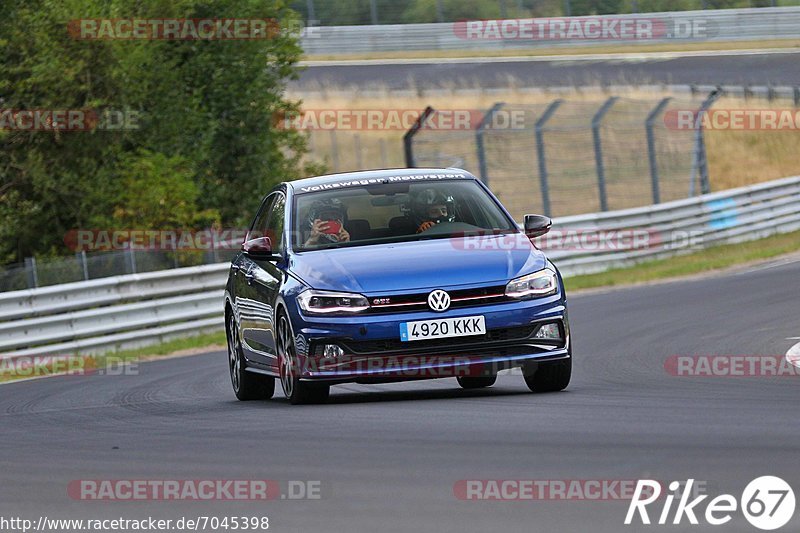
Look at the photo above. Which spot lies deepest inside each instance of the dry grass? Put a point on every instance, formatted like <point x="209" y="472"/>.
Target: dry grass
<point x="739" y="158"/>
<point x="736" y="158"/>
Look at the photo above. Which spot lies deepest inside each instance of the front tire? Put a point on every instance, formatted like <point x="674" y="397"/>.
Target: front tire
<point x="549" y="376"/>
<point x="296" y="391"/>
<point x="246" y="385"/>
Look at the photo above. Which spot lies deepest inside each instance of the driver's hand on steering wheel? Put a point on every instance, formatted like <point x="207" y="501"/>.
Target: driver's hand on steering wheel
<point x="425" y="226"/>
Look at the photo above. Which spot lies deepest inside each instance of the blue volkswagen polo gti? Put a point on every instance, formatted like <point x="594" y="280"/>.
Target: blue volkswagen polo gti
<point x="392" y="275"/>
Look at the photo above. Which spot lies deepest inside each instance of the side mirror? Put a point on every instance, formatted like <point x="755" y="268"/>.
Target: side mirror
<point x="537" y="225"/>
<point x="259" y="248"/>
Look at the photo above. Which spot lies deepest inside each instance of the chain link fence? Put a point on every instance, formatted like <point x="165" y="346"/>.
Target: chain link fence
<point x="84" y="266"/>
<point x="571" y="157"/>
<point x="562" y="156"/>
<point x="364" y="12"/>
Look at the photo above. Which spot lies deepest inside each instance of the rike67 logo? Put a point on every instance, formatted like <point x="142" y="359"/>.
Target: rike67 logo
<point x="767" y="502"/>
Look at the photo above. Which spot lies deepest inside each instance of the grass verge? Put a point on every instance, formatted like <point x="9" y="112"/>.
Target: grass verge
<point x="114" y="363"/>
<point x="715" y="258"/>
<point x="561" y="51"/>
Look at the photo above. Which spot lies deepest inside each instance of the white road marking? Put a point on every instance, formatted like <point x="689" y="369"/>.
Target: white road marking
<point x="793" y="355"/>
<point x="639" y="56"/>
<point x="773" y="264"/>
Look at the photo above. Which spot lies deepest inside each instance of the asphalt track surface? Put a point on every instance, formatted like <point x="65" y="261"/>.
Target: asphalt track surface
<point x="780" y="69"/>
<point x="388" y="456"/>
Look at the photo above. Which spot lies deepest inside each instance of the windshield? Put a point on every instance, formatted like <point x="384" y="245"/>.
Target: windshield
<point x="382" y="213"/>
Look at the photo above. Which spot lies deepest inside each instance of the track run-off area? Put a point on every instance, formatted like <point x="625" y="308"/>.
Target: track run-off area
<point x="392" y="457"/>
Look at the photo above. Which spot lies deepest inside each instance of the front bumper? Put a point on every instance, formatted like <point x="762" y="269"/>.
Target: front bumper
<point x="373" y="351"/>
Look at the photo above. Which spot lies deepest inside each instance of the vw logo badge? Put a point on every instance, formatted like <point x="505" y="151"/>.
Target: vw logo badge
<point x="439" y="300"/>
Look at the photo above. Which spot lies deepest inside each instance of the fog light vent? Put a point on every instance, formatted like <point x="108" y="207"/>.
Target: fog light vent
<point x="550" y="332"/>
<point x="332" y="351"/>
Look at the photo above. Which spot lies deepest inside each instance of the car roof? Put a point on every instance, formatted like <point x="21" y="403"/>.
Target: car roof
<point x="347" y="177"/>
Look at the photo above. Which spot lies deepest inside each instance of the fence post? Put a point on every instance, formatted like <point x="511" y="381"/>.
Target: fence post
<point x="131" y="258"/>
<point x="439" y="11"/>
<point x="651" y="148"/>
<point x="334" y="151"/>
<point x="373" y="12"/>
<point x="357" y="150"/>
<point x="30" y="270"/>
<point x="384" y="161"/>
<point x="797" y="96"/>
<point x="598" y="150"/>
<point x="700" y="161"/>
<point x="312" y="142"/>
<point x="214" y="250"/>
<point x="408" y="138"/>
<point x="540" y="152"/>
<point x="84" y="264"/>
<point x="480" y="133"/>
<point x="311" y="13"/>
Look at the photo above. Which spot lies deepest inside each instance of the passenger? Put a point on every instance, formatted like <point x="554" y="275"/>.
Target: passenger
<point x="326" y="223"/>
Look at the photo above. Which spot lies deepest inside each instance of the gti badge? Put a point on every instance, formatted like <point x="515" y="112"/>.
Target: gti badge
<point x="439" y="300"/>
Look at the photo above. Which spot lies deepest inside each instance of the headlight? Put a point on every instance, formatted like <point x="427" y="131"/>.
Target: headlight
<point x="325" y="302"/>
<point x="542" y="283"/>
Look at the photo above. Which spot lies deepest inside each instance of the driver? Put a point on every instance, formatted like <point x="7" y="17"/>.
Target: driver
<point x="430" y="207"/>
<point x="326" y="223"/>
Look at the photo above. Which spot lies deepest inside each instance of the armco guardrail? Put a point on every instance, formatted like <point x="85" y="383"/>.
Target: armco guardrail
<point x="112" y="313"/>
<point x="678" y="27"/>
<point x="677" y="227"/>
<point x="133" y="310"/>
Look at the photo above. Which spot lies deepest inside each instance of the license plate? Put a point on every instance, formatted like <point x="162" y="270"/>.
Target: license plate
<point x="442" y="328"/>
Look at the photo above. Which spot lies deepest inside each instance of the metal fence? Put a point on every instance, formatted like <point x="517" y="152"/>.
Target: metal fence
<point x="114" y="313"/>
<point x="83" y="266"/>
<point x="678" y="27"/>
<point x="570" y="157"/>
<point x="127" y="311"/>
<point x="384" y="12"/>
<point x="682" y="226"/>
<point x="595" y="154"/>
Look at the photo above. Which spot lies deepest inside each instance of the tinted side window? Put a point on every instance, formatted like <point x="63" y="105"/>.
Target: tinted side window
<point x="259" y="228"/>
<point x="274" y="229"/>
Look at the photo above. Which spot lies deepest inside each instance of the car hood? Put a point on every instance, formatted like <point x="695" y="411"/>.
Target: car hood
<point x="418" y="265"/>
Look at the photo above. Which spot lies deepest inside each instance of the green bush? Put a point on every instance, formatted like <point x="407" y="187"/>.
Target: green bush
<point x="205" y="149"/>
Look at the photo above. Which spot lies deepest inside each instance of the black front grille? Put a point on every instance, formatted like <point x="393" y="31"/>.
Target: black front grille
<point x="458" y="299"/>
<point x="396" y="345"/>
